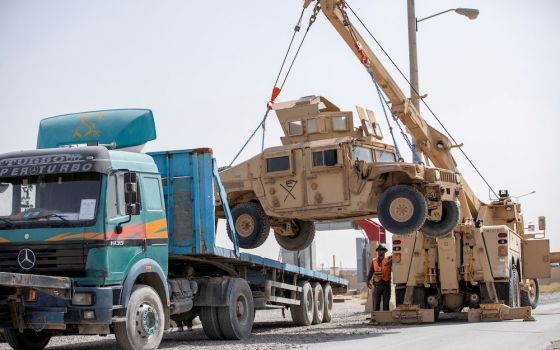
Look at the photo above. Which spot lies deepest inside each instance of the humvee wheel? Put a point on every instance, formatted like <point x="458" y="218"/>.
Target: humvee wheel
<point x="531" y="297"/>
<point x="402" y="209"/>
<point x="28" y="340"/>
<point x="304" y="235"/>
<point x="450" y="218"/>
<point x="251" y="224"/>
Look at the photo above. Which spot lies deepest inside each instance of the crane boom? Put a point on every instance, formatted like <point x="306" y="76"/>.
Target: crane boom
<point x="434" y="144"/>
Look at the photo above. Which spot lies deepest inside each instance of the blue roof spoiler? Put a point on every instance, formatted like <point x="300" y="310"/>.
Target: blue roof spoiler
<point x="119" y="128"/>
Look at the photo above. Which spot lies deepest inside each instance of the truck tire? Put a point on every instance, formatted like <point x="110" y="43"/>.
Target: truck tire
<point x="28" y="340"/>
<point x="302" y="239"/>
<point x="251" y="224"/>
<point x="531" y="298"/>
<point x="318" y="303"/>
<point x="236" y="320"/>
<point x="210" y="323"/>
<point x="328" y="294"/>
<point x="302" y="314"/>
<point x="402" y="209"/>
<point x="513" y="296"/>
<point x="145" y="320"/>
<point x="450" y="218"/>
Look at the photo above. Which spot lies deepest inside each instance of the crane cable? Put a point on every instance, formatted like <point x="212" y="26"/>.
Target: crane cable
<point x="276" y="90"/>
<point x="423" y="102"/>
<point x="366" y="62"/>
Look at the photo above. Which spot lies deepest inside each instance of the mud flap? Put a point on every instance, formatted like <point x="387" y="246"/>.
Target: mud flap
<point x="405" y="314"/>
<point x="499" y="312"/>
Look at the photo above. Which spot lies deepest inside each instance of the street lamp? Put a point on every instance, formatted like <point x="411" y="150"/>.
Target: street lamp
<point x="412" y="52"/>
<point x="469" y="13"/>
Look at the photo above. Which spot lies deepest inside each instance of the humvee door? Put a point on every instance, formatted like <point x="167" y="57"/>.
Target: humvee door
<point x="282" y="179"/>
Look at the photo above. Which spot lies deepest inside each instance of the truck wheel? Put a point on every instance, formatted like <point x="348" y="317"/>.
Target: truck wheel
<point x="28" y="340"/>
<point x="450" y="218"/>
<point x="327" y="312"/>
<point x="305" y="233"/>
<point x="531" y="298"/>
<point x="251" y="224"/>
<point x="302" y="314"/>
<point x="236" y="320"/>
<point x="402" y="209"/>
<point x="145" y="320"/>
<point x="513" y="295"/>
<point x="210" y="324"/>
<point x="318" y="303"/>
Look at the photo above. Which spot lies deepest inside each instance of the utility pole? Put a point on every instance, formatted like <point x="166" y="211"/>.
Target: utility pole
<point x="413" y="55"/>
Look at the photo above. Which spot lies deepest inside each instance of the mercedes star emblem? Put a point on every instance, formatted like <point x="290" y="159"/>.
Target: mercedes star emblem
<point x="26" y="259"/>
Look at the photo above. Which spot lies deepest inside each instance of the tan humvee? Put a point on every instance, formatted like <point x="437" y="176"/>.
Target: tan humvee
<point x="328" y="169"/>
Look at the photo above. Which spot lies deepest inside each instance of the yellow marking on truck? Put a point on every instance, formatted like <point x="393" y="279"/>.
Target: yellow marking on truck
<point x="3" y="240"/>
<point x="85" y="235"/>
<point x="156" y="229"/>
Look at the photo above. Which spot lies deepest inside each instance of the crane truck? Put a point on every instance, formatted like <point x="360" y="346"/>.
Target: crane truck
<point x="97" y="237"/>
<point x="489" y="262"/>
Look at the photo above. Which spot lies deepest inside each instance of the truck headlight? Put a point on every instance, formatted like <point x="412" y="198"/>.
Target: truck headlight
<point x="437" y="175"/>
<point x="82" y="299"/>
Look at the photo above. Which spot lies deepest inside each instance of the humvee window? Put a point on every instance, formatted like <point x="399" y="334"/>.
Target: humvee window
<point x="362" y="153"/>
<point x="295" y="127"/>
<point x="325" y="158"/>
<point x="312" y="125"/>
<point x="278" y="164"/>
<point x="340" y="123"/>
<point x="384" y="156"/>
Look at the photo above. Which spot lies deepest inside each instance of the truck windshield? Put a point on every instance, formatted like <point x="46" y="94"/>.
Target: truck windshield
<point x="49" y="200"/>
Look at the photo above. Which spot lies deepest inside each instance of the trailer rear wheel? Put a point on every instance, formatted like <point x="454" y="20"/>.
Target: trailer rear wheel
<point x="145" y="320"/>
<point x="28" y="340"/>
<point x="402" y="209"/>
<point x="531" y="297"/>
<point x="318" y="303"/>
<point x="327" y="311"/>
<point x="251" y="224"/>
<point x="302" y="314"/>
<point x="210" y="324"/>
<point x="304" y="235"/>
<point x="450" y="218"/>
<point x="236" y="320"/>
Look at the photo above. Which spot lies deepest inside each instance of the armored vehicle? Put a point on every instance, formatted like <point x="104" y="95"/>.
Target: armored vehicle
<point x="328" y="169"/>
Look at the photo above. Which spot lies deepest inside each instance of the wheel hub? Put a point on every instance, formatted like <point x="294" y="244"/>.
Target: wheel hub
<point x="401" y="209"/>
<point x="244" y="225"/>
<point x="147" y="320"/>
<point x="241" y="307"/>
<point x="532" y="290"/>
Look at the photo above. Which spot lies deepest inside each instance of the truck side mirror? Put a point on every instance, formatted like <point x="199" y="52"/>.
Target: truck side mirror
<point x="542" y="223"/>
<point x="131" y="193"/>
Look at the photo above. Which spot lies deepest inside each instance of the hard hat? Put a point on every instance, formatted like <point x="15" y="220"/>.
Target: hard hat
<point x="380" y="247"/>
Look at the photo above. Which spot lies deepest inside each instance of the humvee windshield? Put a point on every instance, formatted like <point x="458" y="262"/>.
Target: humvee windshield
<point x="382" y="156"/>
<point x="362" y="153"/>
<point x="61" y="199"/>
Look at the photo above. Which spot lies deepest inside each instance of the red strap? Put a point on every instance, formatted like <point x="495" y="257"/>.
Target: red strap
<point x="275" y="92"/>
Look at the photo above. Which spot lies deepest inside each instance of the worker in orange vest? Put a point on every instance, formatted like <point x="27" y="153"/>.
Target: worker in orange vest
<point x="380" y="272"/>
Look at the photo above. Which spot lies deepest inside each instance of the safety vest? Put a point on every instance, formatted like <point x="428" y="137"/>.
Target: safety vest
<point x="381" y="272"/>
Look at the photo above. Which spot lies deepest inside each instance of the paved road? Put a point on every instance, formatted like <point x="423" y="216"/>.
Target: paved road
<point x="458" y="335"/>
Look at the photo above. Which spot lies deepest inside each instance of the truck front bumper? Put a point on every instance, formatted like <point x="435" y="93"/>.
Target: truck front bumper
<point x="45" y="302"/>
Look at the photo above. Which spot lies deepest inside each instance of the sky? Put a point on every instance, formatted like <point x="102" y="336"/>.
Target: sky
<point x="206" y="69"/>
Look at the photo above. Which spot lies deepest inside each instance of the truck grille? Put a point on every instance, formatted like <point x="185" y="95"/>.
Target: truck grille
<point x="67" y="258"/>
<point x="447" y="176"/>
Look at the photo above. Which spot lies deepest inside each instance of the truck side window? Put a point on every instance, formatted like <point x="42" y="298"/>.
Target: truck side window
<point x="152" y="193"/>
<point x="340" y="123"/>
<point x="295" y="127"/>
<point x="115" y="196"/>
<point x="278" y="164"/>
<point x="312" y="126"/>
<point x="325" y="158"/>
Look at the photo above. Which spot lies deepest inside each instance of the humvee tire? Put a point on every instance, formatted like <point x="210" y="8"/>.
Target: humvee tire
<point x="402" y="209"/>
<point x="303" y="238"/>
<point x="531" y="298"/>
<point x="251" y="224"/>
<point x="450" y="218"/>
